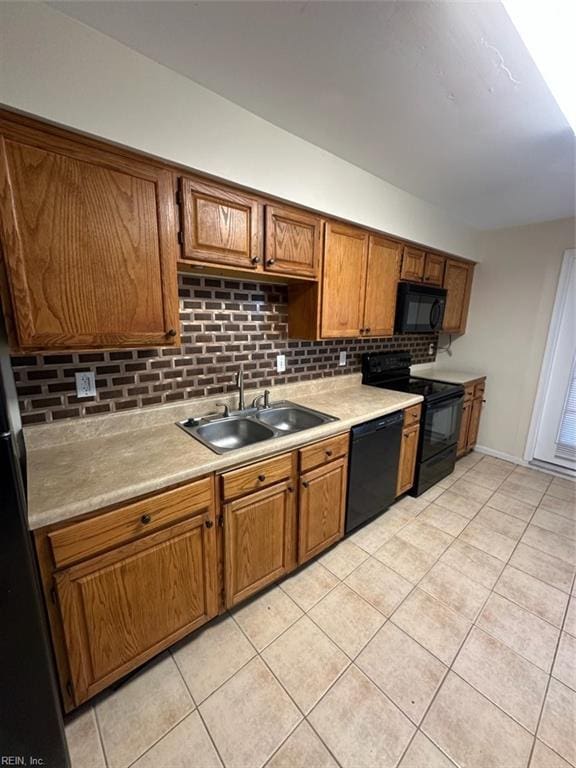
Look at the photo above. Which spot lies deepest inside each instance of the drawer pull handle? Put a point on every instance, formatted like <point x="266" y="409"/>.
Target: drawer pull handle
<point x="145" y="519"/>
<point x="208" y="523"/>
<point x="261" y="478"/>
<point x="328" y="452"/>
<point x="305" y="483"/>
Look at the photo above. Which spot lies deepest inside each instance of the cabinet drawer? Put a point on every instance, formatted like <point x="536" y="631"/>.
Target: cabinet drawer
<point x="321" y="453"/>
<point x="479" y="389"/>
<point x="468" y="392"/>
<point x="90" y="537"/>
<point x="256" y="476"/>
<point x="412" y="415"/>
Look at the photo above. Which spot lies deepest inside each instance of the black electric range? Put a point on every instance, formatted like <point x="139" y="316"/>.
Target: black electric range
<point x="441" y="413"/>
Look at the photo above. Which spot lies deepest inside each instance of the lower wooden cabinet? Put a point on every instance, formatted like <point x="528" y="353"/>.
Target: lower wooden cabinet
<point x="123" y="607"/>
<point x="259" y="540"/>
<point x="471" y="413"/>
<point x="322" y="503"/>
<point x="407" y="465"/>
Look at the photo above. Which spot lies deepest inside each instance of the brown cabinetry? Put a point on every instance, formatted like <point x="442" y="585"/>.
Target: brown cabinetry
<point x="293" y="242"/>
<point x="458" y="284"/>
<point x="413" y="262"/>
<point x="219" y="225"/>
<point x="88" y="243"/>
<point x="344" y="281"/>
<point x="259" y="540"/>
<point x="114" y="610"/>
<point x="471" y="413"/>
<point x="408" y="449"/>
<point x="322" y="506"/>
<point x="359" y="283"/>
<point x="434" y="269"/>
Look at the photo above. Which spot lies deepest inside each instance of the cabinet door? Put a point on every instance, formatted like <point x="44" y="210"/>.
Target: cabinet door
<point x="220" y="226"/>
<point x="344" y="281"/>
<point x="259" y="540"/>
<point x="434" y="269"/>
<point x="89" y="241"/>
<point x="407" y="465"/>
<point x="464" y="427"/>
<point x="413" y="260"/>
<point x="293" y="242"/>
<point x="381" y="286"/>
<point x="458" y="282"/>
<point x="475" y="413"/>
<point x="120" y="609"/>
<point x="322" y="508"/>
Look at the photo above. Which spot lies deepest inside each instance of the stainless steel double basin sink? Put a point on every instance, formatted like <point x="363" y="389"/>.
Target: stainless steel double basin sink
<point x="253" y="425"/>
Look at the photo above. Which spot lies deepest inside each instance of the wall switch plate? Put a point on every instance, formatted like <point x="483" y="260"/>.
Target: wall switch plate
<point x="431" y="348"/>
<point x="85" y="384"/>
<point x="342" y="360"/>
<point x="280" y="363"/>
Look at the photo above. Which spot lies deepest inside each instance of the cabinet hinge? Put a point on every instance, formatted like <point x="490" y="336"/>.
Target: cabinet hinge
<point x="221" y="520"/>
<point x="53" y="595"/>
<point x="70" y="689"/>
<point x="181" y="237"/>
<point x="178" y="197"/>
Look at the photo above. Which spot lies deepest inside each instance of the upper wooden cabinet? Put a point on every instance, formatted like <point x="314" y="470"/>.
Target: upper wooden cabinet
<point x="89" y="243"/>
<point x="219" y="225"/>
<point x="434" y="269"/>
<point x="344" y="280"/>
<point x="413" y="262"/>
<point x="293" y="242"/>
<point x="458" y="283"/>
<point x="382" y="275"/>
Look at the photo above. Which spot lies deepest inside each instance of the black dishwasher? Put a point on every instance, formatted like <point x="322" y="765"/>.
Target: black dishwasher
<point x="373" y="468"/>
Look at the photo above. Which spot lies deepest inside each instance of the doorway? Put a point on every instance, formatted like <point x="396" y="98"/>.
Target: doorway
<point x="552" y="439"/>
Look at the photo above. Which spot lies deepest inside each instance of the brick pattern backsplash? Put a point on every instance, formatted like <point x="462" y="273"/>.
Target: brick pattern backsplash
<point x="224" y="323"/>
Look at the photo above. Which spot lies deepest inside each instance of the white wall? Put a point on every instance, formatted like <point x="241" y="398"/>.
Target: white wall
<point x="59" y="69"/>
<point x="512" y="300"/>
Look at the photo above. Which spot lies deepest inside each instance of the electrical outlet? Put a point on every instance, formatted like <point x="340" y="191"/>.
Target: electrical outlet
<point x="431" y="348"/>
<point x="85" y="384"/>
<point x="342" y="360"/>
<point x="280" y="363"/>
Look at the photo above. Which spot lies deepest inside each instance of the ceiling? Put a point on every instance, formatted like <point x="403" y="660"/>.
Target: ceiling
<point x="440" y="99"/>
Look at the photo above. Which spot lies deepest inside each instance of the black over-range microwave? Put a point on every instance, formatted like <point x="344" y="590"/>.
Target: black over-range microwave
<point x="419" y="308"/>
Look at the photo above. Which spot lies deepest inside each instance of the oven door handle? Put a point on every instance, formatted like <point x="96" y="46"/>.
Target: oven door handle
<point x="435" y="314"/>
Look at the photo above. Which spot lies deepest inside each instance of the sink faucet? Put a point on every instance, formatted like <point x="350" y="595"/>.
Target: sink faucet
<point x="240" y="385"/>
<point x="264" y="396"/>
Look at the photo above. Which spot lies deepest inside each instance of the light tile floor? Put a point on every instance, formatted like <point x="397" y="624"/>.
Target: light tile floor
<point x="442" y="634"/>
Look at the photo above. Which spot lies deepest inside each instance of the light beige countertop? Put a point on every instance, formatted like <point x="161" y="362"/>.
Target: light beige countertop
<point x="89" y="464"/>
<point x="450" y="377"/>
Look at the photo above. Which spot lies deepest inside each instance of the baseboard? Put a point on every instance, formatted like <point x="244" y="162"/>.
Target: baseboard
<point x="501" y="455"/>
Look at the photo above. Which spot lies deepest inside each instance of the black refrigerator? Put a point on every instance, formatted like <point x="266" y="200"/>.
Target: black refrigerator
<point x="31" y="727"/>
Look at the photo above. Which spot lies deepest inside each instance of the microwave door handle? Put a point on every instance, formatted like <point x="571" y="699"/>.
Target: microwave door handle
<point x="435" y="313"/>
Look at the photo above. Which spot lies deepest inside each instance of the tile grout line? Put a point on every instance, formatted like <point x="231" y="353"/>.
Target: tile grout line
<point x="544" y="698"/>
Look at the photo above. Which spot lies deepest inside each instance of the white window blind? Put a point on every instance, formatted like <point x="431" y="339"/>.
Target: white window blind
<point x="566" y="439"/>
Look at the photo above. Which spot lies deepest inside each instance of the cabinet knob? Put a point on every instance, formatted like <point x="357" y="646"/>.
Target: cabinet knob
<point x="255" y="259"/>
<point x="145" y="519"/>
<point x="171" y="332"/>
<point x="328" y="453"/>
<point x="367" y="330"/>
<point x="269" y="262"/>
<point x="208" y="523"/>
<point x="305" y="483"/>
<point x="361" y="330"/>
<point x="261" y="478"/>
<point x="290" y="489"/>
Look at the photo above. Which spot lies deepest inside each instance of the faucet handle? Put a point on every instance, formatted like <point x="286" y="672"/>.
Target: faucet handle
<point x="264" y="396"/>
<point x="226" y="408"/>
